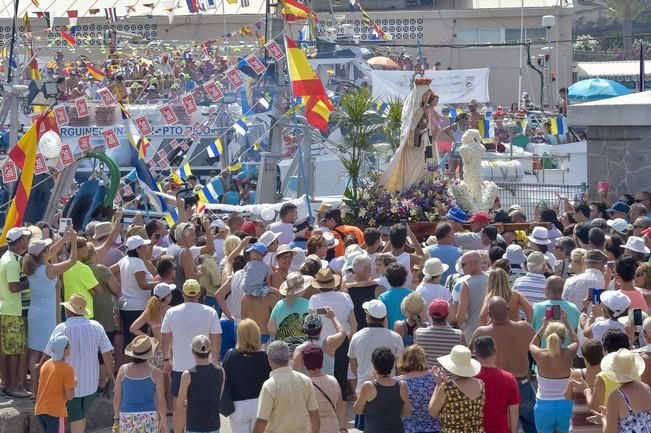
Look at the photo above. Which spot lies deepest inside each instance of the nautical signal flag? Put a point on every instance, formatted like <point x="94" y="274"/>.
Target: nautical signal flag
<point x="485" y="129"/>
<point x="236" y="166"/>
<point x="23" y="154"/>
<point x="215" y="149"/>
<point x="111" y="14"/>
<point x="241" y="127"/>
<point x="294" y="11"/>
<point x="366" y="18"/>
<point x="95" y="72"/>
<point x="193" y="6"/>
<point x="378" y="33"/>
<point x="557" y="126"/>
<point x="185" y="171"/>
<point x="69" y="38"/>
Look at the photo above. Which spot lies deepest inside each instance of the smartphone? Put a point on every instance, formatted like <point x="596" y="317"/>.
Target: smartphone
<point x="611" y="266"/>
<point x="321" y="311"/>
<point x="549" y="313"/>
<point x="64" y="223"/>
<point x="580" y="196"/>
<point x="556" y="312"/>
<point x="637" y="317"/>
<point x="595" y="296"/>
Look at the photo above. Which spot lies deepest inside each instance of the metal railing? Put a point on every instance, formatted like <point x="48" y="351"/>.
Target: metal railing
<point x="531" y="195"/>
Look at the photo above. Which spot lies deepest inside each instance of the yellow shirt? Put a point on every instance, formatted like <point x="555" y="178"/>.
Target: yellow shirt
<point x="610" y="385"/>
<point x="285" y="399"/>
<point x="80" y="279"/>
<point x="10" y="303"/>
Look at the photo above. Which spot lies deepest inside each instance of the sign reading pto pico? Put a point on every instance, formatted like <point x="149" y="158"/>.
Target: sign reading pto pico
<point x="163" y="131"/>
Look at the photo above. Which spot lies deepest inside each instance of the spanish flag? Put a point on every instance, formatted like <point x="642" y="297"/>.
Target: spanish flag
<point x="307" y="84"/>
<point x="23" y="154"/>
<point x="95" y="72"/>
<point x="70" y="39"/>
<point x="294" y="11"/>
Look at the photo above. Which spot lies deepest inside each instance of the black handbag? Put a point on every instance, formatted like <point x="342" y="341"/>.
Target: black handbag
<point x="226" y="405"/>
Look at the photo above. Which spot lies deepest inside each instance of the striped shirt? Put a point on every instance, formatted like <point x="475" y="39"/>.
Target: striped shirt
<point x="86" y="339"/>
<point x="437" y="341"/>
<point x="532" y="287"/>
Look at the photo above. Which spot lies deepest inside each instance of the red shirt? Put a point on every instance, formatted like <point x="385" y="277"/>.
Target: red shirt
<point x="501" y="392"/>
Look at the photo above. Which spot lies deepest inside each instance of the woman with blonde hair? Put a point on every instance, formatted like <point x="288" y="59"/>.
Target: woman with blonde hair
<point x="247" y="368"/>
<point x="412" y="366"/>
<point x="577" y="261"/>
<point x="498" y="285"/>
<point x="230" y="244"/>
<point x="552" y="412"/>
<point x="414" y="310"/>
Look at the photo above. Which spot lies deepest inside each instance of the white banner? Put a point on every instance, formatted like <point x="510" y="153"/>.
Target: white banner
<point x="453" y="87"/>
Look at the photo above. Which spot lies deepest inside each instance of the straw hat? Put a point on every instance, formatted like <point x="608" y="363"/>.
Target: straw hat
<point x="142" y="347"/>
<point x="77" y="305"/>
<point x="433" y="268"/>
<point x="325" y="279"/>
<point x="294" y="284"/>
<point x="323" y="208"/>
<point x="413" y="305"/>
<point x="460" y="362"/>
<point x="623" y="366"/>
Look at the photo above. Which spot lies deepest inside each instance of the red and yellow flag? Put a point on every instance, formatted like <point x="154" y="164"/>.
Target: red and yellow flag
<point x="306" y="84"/>
<point x="69" y="37"/>
<point x="294" y="11"/>
<point x="95" y="72"/>
<point x="24" y="155"/>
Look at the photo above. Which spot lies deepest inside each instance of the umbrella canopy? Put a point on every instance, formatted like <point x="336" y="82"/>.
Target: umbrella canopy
<point x="596" y="88"/>
<point x="383" y="62"/>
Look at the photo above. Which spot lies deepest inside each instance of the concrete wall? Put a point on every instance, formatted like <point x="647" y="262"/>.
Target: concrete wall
<point x="620" y="155"/>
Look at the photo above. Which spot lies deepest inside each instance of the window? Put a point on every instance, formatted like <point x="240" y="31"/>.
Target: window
<point x="531" y="34"/>
<point x="480" y="36"/>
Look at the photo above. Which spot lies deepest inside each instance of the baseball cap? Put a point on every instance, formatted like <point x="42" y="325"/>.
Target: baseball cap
<point x="620" y="225"/>
<point x="191" y="288"/>
<point x="201" y="344"/>
<point x="258" y="247"/>
<point x="438" y="308"/>
<point x="615" y="301"/>
<point x="248" y="227"/>
<point x="136" y="242"/>
<point x="501" y="216"/>
<point x="161" y="290"/>
<point x="16" y="233"/>
<point x="218" y="224"/>
<point x="57" y="345"/>
<point x="457" y="214"/>
<point x="375" y="309"/>
<point x="619" y="206"/>
<point x="480" y="217"/>
<point x="36" y="247"/>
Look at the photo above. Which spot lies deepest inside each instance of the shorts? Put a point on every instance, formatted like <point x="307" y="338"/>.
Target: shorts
<point x="443" y="147"/>
<point x="78" y="407"/>
<point x="176" y="382"/>
<point x="552" y="415"/>
<point x="52" y="424"/>
<point x="139" y="422"/>
<point x="14" y="335"/>
<point x="454" y="154"/>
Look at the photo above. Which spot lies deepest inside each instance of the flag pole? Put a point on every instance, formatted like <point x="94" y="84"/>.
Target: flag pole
<point x="13" y="40"/>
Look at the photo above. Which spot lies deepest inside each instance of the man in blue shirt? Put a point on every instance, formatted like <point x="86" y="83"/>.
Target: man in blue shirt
<point x="444" y="249"/>
<point x="396" y="275"/>
<point x="554" y="293"/>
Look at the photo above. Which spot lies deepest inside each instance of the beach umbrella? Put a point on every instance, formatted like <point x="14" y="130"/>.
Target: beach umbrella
<point x="596" y="88"/>
<point x="383" y="62"/>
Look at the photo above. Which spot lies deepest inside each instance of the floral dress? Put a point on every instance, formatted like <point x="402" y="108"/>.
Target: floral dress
<point x="461" y="414"/>
<point x="639" y="422"/>
<point x="420" y="390"/>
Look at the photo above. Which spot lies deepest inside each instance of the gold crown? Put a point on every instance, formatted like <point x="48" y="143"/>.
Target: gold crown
<point x="422" y="80"/>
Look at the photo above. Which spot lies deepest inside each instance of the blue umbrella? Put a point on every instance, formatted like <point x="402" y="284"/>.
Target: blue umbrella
<point x="596" y="88"/>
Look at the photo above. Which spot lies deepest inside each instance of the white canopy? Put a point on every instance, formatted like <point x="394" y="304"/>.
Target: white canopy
<point x="623" y="70"/>
<point x="59" y="8"/>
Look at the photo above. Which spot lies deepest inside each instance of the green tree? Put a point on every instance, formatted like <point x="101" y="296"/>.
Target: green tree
<point x="628" y="12"/>
<point x="393" y="123"/>
<point x="359" y="122"/>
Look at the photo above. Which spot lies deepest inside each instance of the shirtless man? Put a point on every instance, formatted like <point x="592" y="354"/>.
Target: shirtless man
<point x="512" y="341"/>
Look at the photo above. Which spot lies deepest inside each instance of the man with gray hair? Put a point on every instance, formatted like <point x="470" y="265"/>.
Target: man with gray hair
<point x="641" y="223"/>
<point x="532" y="284"/>
<point x="577" y="288"/>
<point x="287" y="398"/>
<point x="362" y="288"/>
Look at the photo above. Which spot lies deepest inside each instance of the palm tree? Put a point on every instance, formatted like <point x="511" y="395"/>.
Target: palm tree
<point x="628" y="11"/>
<point x="359" y="123"/>
<point x="393" y="123"/>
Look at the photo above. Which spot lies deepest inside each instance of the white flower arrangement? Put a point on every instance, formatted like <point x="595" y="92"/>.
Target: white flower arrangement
<point x="472" y="194"/>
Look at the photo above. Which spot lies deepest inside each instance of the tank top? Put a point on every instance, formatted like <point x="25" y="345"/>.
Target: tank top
<point x="359" y="295"/>
<point x="551" y="389"/>
<point x="383" y="413"/>
<point x="328" y="361"/>
<point x="458" y="133"/>
<point x="634" y="422"/>
<point x="204" y="395"/>
<point x="138" y="394"/>
<point x="408" y="338"/>
<point x="405" y="260"/>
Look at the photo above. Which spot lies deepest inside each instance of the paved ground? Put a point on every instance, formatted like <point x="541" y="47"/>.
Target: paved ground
<point x="226" y="428"/>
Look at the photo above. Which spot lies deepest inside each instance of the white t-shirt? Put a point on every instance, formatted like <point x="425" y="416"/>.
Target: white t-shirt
<point x="219" y="249"/>
<point x="362" y="345"/>
<point x="430" y="291"/>
<point x="286" y="231"/>
<point x="133" y="297"/>
<point x="185" y="322"/>
<point x="339" y="302"/>
<point x="234" y="299"/>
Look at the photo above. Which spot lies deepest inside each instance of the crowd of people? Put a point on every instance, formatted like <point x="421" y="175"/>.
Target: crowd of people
<point x="479" y="328"/>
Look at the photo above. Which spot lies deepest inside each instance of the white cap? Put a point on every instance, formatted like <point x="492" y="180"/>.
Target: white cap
<point x="16" y="233"/>
<point x="136" y="242"/>
<point x="36" y="247"/>
<point x="375" y="309"/>
<point x="217" y="223"/>
<point x="616" y="301"/>
<point x="620" y="225"/>
<point x="161" y="290"/>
